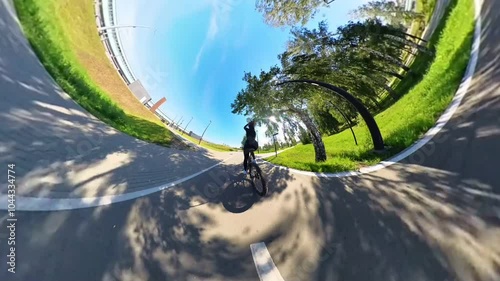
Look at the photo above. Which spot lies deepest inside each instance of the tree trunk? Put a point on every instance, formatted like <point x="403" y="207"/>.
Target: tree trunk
<point x="389" y="58"/>
<point x="317" y="141"/>
<point x="394" y="74"/>
<point x="413" y="36"/>
<point x="407" y="42"/>
<point x="403" y="47"/>
<point x="397" y="75"/>
<point x="382" y="83"/>
<point x="390" y="90"/>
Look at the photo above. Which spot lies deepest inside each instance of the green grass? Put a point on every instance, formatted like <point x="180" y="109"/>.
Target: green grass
<point x="412" y="115"/>
<point x="208" y="145"/>
<point x="64" y="36"/>
<point x="264" y="151"/>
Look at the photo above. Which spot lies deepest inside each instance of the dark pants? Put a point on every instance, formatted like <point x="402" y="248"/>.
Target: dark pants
<point x="246" y="153"/>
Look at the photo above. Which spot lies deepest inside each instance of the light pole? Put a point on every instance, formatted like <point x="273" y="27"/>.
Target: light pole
<point x="180" y="124"/>
<point x="273" y="119"/>
<point x="204" y="132"/>
<point x="186" y="126"/>
<point x="275" y="149"/>
<point x="173" y="120"/>
<point x="177" y="123"/>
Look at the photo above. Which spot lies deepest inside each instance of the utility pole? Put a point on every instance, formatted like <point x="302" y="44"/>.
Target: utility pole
<point x="204" y="132"/>
<point x="186" y="126"/>
<point x="180" y="124"/>
<point x="177" y="124"/>
<point x="275" y="148"/>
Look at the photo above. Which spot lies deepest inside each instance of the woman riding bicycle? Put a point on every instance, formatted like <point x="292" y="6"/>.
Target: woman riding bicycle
<point x="250" y="143"/>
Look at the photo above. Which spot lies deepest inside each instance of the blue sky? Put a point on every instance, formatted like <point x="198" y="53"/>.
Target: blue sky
<point x="199" y="51"/>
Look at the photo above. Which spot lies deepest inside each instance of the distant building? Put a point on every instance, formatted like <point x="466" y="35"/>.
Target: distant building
<point x="157" y="104"/>
<point x="106" y="17"/>
<point x="193" y="135"/>
<point x="105" y="13"/>
<point x="139" y="92"/>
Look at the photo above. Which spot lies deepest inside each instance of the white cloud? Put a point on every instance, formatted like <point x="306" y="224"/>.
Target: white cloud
<point x="158" y="14"/>
<point x="219" y="20"/>
<point x="198" y="57"/>
<point x="212" y="28"/>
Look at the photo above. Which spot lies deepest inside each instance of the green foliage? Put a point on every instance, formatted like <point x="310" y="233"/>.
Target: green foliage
<point x="279" y="13"/>
<point x="390" y="11"/>
<point x="413" y="114"/>
<point x="304" y="136"/>
<point x="322" y="112"/>
<point x="359" y="57"/>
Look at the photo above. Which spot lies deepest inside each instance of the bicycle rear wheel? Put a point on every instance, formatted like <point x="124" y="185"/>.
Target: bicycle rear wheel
<point x="259" y="180"/>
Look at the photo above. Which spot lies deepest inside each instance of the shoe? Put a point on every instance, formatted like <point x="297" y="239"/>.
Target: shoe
<point x="245" y="172"/>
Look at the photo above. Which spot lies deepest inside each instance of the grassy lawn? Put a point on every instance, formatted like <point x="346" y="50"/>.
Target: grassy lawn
<point x="264" y="151"/>
<point x="208" y="145"/>
<point x="64" y="36"/>
<point x="412" y="115"/>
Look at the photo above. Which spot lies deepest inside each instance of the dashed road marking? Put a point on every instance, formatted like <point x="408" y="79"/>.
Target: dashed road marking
<point x="264" y="264"/>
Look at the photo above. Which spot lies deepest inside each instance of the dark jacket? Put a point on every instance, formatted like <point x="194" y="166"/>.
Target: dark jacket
<point x="251" y="135"/>
<point x="250" y="132"/>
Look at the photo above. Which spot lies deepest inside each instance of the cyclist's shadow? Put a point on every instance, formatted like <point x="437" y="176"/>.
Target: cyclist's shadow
<point x="239" y="196"/>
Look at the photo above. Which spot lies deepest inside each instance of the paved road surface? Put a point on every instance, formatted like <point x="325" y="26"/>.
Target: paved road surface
<point x="433" y="216"/>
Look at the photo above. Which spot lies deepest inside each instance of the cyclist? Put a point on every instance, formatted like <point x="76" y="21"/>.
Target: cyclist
<point x="250" y="142"/>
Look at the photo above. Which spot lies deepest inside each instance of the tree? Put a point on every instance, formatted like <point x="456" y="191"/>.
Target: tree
<point x="346" y="58"/>
<point x="280" y="13"/>
<point x="369" y="51"/>
<point x="359" y="57"/>
<point x="389" y="11"/>
<point x="304" y="136"/>
<point x="263" y="99"/>
<point x="327" y="123"/>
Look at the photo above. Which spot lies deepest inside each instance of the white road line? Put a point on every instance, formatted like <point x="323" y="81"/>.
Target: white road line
<point x="445" y="117"/>
<point x="59" y="204"/>
<point x="264" y="264"/>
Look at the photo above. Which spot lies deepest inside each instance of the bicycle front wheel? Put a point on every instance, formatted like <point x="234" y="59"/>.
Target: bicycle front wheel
<point x="259" y="181"/>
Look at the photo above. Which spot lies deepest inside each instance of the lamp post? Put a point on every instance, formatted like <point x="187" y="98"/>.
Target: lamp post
<point x="180" y="125"/>
<point x="204" y="132"/>
<point x="275" y="149"/>
<point x="186" y="126"/>
<point x="179" y="122"/>
<point x="175" y="123"/>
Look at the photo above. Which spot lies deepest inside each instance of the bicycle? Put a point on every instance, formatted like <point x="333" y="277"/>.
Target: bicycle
<point x="256" y="173"/>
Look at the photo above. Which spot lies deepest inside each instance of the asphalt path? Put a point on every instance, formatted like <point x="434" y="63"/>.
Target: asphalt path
<point x="434" y="215"/>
